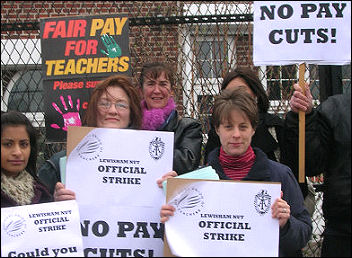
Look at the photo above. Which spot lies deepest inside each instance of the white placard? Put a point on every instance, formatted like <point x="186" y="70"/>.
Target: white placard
<point x="41" y="230"/>
<point x="122" y="231"/>
<point x="223" y="218"/>
<point x="119" y="166"/>
<point x="292" y="32"/>
<point x="113" y="173"/>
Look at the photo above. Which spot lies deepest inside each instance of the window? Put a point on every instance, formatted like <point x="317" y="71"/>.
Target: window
<point x="209" y="56"/>
<point x="206" y="60"/>
<point x="25" y="94"/>
<point x="314" y="82"/>
<point x="280" y="80"/>
<point x="210" y="62"/>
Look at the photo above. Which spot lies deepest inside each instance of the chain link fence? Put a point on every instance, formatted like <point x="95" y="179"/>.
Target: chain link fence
<point x="202" y="40"/>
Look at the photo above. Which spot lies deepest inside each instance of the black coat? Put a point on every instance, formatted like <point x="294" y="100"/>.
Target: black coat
<point x="328" y="151"/>
<point x="297" y="232"/>
<point x="49" y="172"/>
<point x="187" y="142"/>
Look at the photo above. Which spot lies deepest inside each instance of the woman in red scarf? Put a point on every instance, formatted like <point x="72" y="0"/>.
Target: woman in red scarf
<point x="235" y="119"/>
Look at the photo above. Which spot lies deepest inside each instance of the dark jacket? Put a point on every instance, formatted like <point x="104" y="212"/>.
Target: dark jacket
<point x="261" y="139"/>
<point x="41" y="195"/>
<point x="328" y="151"/>
<point x="49" y="172"/>
<point x="187" y="142"/>
<point x="297" y="232"/>
<point x="275" y="149"/>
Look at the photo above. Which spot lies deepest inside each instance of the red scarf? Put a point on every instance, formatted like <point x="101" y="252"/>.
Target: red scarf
<point x="237" y="167"/>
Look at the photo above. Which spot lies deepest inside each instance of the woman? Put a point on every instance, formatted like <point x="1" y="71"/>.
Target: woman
<point x="126" y="113"/>
<point x="235" y="119"/>
<point x="114" y="103"/>
<point x="159" y="113"/>
<point x="268" y="136"/>
<point x="19" y="183"/>
<point x="270" y="133"/>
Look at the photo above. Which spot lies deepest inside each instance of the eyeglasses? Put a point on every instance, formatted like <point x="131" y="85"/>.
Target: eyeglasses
<point x="118" y="105"/>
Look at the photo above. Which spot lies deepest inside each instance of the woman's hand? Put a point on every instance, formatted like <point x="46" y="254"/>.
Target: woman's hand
<point x="63" y="194"/>
<point x="281" y="211"/>
<point x="165" y="212"/>
<point x="164" y="177"/>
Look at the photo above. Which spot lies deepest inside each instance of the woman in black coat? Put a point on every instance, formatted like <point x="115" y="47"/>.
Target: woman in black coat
<point x="270" y="133"/>
<point x="270" y="127"/>
<point x="235" y="120"/>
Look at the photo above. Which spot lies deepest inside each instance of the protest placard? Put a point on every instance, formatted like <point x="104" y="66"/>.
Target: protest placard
<point x="113" y="173"/>
<point x="300" y="32"/>
<point x="291" y="32"/>
<point x="77" y="53"/>
<point x="46" y="229"/>
<point x="205" y="226"/>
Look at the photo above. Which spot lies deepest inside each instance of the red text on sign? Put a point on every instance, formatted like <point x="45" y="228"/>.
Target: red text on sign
<point x="56" y="29"/>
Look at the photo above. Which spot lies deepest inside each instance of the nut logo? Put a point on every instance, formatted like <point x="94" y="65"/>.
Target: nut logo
<point x="14" y="225"/>
<point x="262" y="202"/>
<point x="156" y="148"/>
<point x="90" y="147"/>
<point x="189" y="202"/>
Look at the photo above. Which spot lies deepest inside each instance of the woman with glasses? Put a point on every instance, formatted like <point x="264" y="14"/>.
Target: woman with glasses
<point x="114" y="103"/>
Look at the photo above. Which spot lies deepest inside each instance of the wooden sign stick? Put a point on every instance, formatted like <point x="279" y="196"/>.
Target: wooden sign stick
<point x="301" y="135"/>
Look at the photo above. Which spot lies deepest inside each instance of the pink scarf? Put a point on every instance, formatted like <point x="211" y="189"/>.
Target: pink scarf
<point x="237" y="167"/>
<point x="154" y="118"/>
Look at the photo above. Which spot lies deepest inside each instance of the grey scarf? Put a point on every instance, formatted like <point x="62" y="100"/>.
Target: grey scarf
<point x="20" y="188"/>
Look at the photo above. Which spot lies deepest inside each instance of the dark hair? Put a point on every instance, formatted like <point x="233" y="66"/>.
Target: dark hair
<point x="15" y="118"/>
<point x="237" y="99"/>
<point x="124" y="83"/>
<point x="251" y="78"/>
<point x="154" y="70"/>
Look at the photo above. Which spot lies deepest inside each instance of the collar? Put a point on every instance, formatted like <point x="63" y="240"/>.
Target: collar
<point x="260" y="170"/>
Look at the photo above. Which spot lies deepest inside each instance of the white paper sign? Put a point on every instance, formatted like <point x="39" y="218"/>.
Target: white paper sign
<point x="41" y="230"/>
<point x="122" y="231"/>
<point x="291" y="32"/>
<point x="223" y="218"/>
<point x="120" y="167"/>
<point x="113" y="173"/>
